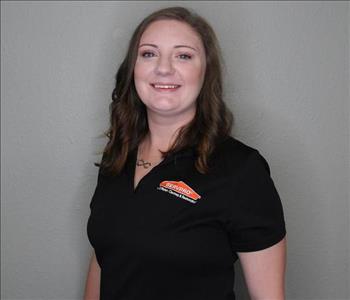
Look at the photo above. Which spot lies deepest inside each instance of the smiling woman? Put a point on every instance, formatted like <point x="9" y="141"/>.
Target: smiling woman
<point x="172" y="46"/>
<point x="178" y="199"/>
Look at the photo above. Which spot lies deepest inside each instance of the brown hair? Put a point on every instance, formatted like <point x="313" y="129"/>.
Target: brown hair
<point x="128" y="119"/>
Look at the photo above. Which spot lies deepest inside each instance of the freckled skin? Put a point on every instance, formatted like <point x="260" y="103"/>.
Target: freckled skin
<point x="165" y="63"/>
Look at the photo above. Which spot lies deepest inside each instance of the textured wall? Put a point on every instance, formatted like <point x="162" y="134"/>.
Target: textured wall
<point x="287" y="81"/>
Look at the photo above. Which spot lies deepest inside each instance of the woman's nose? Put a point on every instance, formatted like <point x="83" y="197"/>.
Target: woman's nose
<point x="164" y="65"/>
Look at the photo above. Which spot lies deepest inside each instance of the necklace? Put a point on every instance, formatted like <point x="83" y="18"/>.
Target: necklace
<point x="144" y="163"/>
<point x="141" y="162"/>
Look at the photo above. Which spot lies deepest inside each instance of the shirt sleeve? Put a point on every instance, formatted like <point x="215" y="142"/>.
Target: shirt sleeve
<point x="256" y="217"/>
<point x="97" y="186"/>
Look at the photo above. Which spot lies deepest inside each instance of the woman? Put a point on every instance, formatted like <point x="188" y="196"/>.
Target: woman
<point x="178" y="200"/>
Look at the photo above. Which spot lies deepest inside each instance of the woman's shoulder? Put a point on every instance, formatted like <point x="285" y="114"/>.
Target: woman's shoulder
<point x="234" y="148"/>
<point x="232" y="154"/>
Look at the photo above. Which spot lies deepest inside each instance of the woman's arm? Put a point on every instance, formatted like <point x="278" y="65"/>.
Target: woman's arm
<point x="264" y="271"/>
<point x="92" y="288"/>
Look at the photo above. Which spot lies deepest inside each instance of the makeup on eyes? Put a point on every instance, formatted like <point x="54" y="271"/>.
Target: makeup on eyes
<point x="187" y="55"/>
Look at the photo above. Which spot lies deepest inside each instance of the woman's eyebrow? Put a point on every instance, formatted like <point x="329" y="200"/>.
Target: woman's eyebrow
<point x="176" y="46"/>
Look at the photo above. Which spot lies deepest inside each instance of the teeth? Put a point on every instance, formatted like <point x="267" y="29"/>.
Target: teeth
<point x="159" y="86"/>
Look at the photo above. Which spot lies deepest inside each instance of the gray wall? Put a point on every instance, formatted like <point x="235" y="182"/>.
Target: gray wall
<point x="287" y="82"/>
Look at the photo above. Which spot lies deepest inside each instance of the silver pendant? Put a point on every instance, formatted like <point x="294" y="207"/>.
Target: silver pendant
<point x="141" y="162"/>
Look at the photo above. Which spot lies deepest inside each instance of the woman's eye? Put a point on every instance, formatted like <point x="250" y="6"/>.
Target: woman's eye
<point x="147" y="54"/>
<point x="185" y="56"/>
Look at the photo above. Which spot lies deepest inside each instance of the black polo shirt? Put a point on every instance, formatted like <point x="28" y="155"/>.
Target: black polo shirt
<point x="176" y="236"/>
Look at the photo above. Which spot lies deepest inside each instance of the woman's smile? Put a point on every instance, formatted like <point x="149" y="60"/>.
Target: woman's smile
<point x="165" y="88"/>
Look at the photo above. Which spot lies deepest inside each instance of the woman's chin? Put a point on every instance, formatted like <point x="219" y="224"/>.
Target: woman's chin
<point x="163" y="109"/>
<point x="163" y="106"/>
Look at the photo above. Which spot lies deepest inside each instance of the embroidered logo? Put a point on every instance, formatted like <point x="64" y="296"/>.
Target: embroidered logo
<point x="179" y="189"/>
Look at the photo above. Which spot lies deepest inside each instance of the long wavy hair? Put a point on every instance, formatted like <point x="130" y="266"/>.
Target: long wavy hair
<point x="128" y="119"/>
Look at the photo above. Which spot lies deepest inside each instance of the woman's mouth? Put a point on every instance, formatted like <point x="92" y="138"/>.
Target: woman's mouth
<point x="169" y="87"/>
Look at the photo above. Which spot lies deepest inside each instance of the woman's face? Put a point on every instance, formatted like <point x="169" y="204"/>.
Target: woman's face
<point x="170" y="68"/>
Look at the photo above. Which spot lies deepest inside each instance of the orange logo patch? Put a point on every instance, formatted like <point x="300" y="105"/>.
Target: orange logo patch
<point x="179" y="189"/>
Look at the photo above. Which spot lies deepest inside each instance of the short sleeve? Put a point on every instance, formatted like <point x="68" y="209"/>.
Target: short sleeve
<point x="97" y="186"/>
<point x="256" y="217"/>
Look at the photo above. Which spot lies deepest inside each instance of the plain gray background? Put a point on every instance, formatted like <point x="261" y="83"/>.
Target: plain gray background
<point x="286" y="81"/>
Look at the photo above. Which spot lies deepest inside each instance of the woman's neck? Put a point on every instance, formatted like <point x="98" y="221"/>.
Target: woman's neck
<point x="163" y="130"/>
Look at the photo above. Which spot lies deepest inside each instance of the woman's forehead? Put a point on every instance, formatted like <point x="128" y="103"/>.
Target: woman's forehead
<point x="170" y="31"/>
